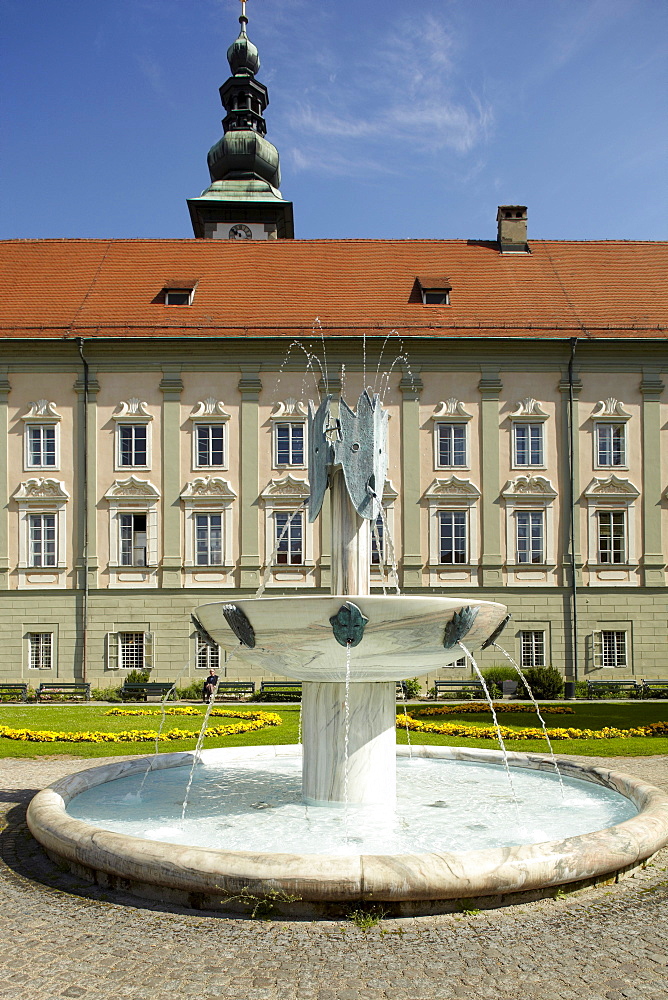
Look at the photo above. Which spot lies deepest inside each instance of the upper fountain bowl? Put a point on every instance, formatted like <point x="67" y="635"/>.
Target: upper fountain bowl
<point x="404" y="636"/>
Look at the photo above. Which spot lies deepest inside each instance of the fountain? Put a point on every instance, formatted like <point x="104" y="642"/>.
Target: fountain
<point x="346" y="835"/>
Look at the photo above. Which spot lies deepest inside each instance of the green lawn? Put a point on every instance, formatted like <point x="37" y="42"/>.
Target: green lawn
<point x="76" y="718"/>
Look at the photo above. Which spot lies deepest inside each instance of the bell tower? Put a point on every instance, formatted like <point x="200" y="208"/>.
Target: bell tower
<point x="243" y="200"/>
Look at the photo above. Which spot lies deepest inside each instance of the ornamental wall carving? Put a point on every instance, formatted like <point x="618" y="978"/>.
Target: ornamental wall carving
<point x="610" y="409"/>
<point x="208" y="488"/>
<point x="612" y="487"/>
<point x="530" y="486"/>
<point x="209" y="408"/>
<point x="42" y="409"/>
<point x="529" y="409"/>
<point x="453" y="488"/>
<point x="289" y="407"/>
<point x="287" y="486"/>
<point x="132" y="409"/>
<point x="141" y="489"/>
<point x="451" y="409"/>
<point x="40" y="489"/>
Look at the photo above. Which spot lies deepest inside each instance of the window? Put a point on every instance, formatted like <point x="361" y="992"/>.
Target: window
<point x="42" y="531"/>
<point x="178" y="296"/>
<point x="133" y="540"/>
<point x="532" y="649"/>
<point x="289" y="443"/>
<point x="133" y="445"/>
<point x="611" y="536"/>
<point x="378" y="542"/>
<point x="130" y="650"/>
<point x="436" y="297"/>
<point x="40" y="650"/>
<point x="208" y="539"/>
<point x="288" y="535"/>
<point x="610" y="444"/>
<point x="530" y="541"/>
<point x="452" y="536"/>
<point x="610" y="649"/>
<point x="208" y="655"/>
<point x="451" y="445"/>
<point x="528" y="444"/>
<point x="41" y="446"/>
<point x="210" y="445"/>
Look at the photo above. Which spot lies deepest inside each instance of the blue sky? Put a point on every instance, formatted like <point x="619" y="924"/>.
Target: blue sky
<point x="392" y="118"/>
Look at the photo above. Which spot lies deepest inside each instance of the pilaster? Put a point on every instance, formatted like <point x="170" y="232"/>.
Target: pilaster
<point x="412" y="561"/>
<point x="491" y="563"/>
<point x="565" y="497"/>
<point x="5" y="387"/>
<point x="87" y="506"/>
<point x="653" y="561"/>
<point x="250" y="387"/>
<point x="171" y="386"/>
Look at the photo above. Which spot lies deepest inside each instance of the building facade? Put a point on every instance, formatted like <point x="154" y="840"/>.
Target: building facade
<point x="155" y="450"/>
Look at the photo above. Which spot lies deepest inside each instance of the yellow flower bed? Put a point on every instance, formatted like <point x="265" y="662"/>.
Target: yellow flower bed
<point x="251" y="721"/>
<point x="533" y="733"/>
<point x="477" y="707"/>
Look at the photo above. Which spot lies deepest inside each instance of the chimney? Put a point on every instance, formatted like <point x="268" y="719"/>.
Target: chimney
<point x="512" y="229"/>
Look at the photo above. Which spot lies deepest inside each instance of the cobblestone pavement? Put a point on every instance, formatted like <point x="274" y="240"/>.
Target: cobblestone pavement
<point x="62" y="938"/>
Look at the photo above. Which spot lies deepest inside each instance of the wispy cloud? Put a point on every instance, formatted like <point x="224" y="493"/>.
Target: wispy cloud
<point x="407" y="96"/>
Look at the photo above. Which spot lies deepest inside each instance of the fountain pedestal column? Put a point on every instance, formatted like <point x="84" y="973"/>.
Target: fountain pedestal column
<point x="370" y="773"/>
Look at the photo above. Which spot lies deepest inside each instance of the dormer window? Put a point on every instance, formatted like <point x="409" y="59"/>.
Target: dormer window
<point x="435" y="291"/>
<point x="178" y="296"/>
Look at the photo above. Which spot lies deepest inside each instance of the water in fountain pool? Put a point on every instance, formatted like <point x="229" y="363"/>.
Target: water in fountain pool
<point x="442" y="805"/>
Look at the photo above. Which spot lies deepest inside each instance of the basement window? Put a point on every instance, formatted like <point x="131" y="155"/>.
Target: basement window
<point x="178" y="296"/>
<point x="435" y="291"/>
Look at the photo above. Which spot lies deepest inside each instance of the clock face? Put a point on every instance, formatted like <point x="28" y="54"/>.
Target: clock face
<point x="240" y="232"/>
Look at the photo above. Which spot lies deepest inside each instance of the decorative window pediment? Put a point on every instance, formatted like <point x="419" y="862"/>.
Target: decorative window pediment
<point x="529" y="409"/>
<point x="286" y="488"/>
<point x="132" y="410"/>
<point x="132" y="489"/>
<point x="39" y="491"/>
<point x="533" y="489"/>
<point x="610" y="409"/>
<point x="452" y="490"/>
<point x="210" y="410"/>
<point x="204" y="489"/>
<point x="451" y="409"/>
<point x="289" y="409"/>
<point x="42" y="410"/>
<point x="611" y="488"/>
<point x="389" y="492"/>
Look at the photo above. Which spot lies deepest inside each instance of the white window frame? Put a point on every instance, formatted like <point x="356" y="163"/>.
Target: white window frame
<point x="601" y="427"/>
<point x="39" y="497"/>
<point x="609" y="413"/>
<point x="530" y="494"/>
<point x="288" y="527"/>
<point x="611" y="495"/>
<point x="42" y="414"/>
<point x="50" y="645"/>
<point x="534" y="517"/>
<point x="132" y="412"/>
<point x="451" y="413"/>
<point x="464" y="515"/>
<point x="120" y="517"/>
<point x="114" y="654"/>
<point x="292" y="426"/>
<point x="211" y="651"/>
<point x="42" y="543"/>
<point x="290" y="412"/>
<point x="287" y="494"/>
<point x="601" y="654"/>
<point x="529" y="414"/>
<point x="453" y="494"/>
<point x="209" y="412"/>
<point x="189" y="292"/>
<point x="208" y="495"/>
<point x="534" y="648"/>
<point x="133" y="496"/>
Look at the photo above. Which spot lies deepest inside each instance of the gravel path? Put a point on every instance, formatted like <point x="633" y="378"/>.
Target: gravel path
<point x="62" y="938"/>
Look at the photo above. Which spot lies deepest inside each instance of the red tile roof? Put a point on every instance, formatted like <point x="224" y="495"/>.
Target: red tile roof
<point x="98" y="288"/>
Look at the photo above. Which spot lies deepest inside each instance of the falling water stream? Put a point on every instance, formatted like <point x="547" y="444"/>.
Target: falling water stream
<point x="198" y="749"/>
<point x="346" y="740"/>
<point x="502" y="745"/>
<point x="163" y="706"/>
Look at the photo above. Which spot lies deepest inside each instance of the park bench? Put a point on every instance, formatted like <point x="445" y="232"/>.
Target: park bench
<point x="628" y="684"/>
<point x="464" y="686"/>
<point x="282" y="690"/>
<point x="235" y="688"/>
<point x="140" y="691"/>
<point x="79" y="689"/>
<point x="17" y="691"/>
<point x="649" y="687"/>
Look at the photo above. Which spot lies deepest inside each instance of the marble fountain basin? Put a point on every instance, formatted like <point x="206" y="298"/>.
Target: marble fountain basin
<point x="404" y="635"/>
<point x="320" y="884"/>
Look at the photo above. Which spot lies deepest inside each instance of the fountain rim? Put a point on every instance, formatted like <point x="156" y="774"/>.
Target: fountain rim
<point x="162" y="870"/>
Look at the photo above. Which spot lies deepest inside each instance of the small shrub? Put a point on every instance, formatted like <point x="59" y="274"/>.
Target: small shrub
<point x="496" y="675"/>
<point x="411" y="687"/>
<point x="191" y="693"/>
<point x="366" y="917"/>
<point x="137" y="676"/>
<point x="545" y="683"/>
<point x="105" y="694"/>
